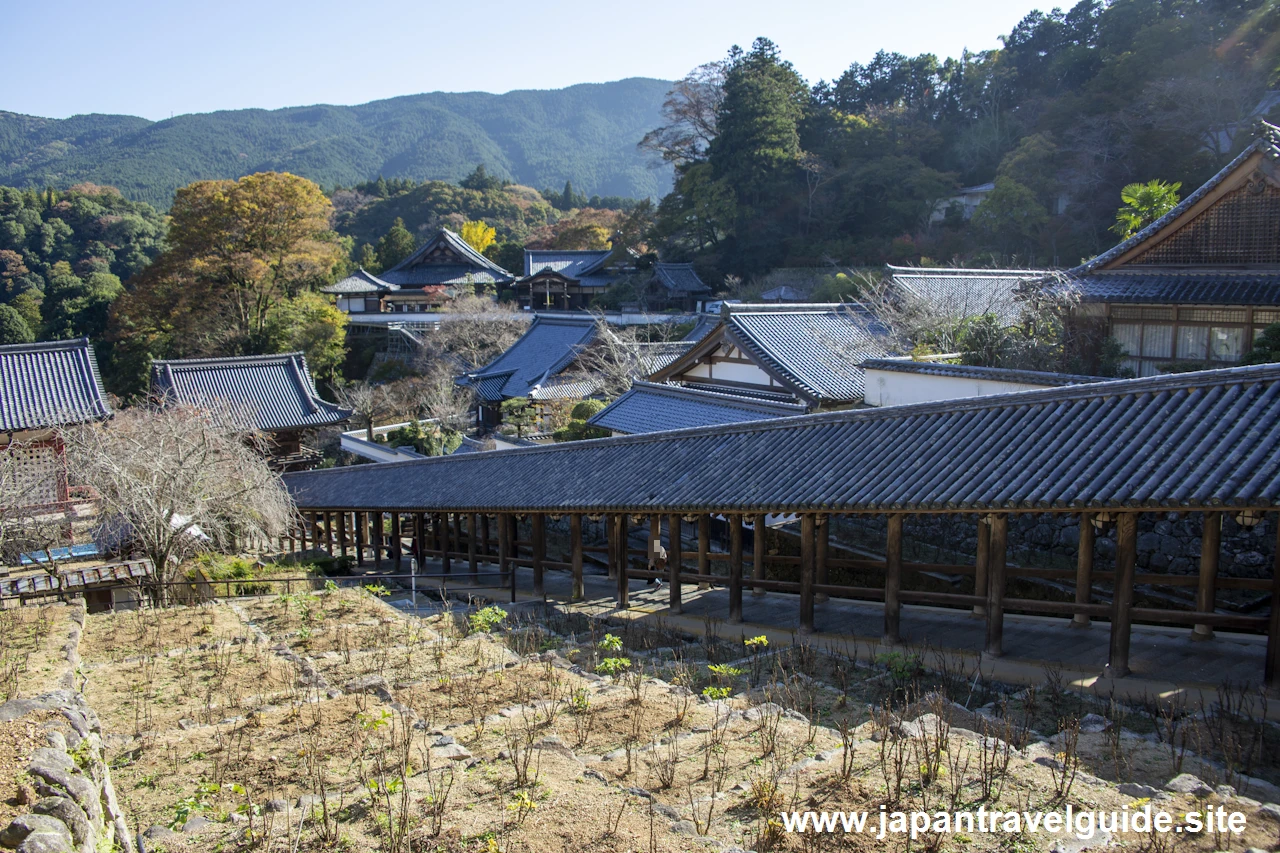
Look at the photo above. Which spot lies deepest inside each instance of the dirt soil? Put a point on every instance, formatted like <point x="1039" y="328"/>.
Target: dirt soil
<point x="331" y="720"/>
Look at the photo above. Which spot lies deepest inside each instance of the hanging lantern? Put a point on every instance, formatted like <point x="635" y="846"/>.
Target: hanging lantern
<point x="1100" y="520"/>
<point x="1248" y="517"/>
<point x="595" y="517"/>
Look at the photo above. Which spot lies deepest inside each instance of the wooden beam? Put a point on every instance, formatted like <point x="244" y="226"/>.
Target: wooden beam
<point x="808" y="558"/>
<point x="442" y="521"/>
<point x="893" y="580"/>
<point x="396" y="541"/>
<point x="575" y="559"/>
<point x="1210" y="554"/>
<point x="1122" y="595"/>
<point x="704" y="548"/>
<point x="1085" y="548"/>
<point x="758" y="547"/>
<point x="473" y="560"/>
<point x="982" y="564"/>
<point x="995" y="585"/>
<point x="823" y="546"/>
<point x="735" y="569"/>
<point x="674" y="563"/>
<point x="1271" y="676"/>
<point x="504" y="548"/>
<point x="539" y="552"/>
<point x="618" y="535"/>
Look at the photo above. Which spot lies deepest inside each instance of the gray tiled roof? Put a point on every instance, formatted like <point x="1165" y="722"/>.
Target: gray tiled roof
<point x="1203" y="287"/>
<point x="565" y="388"/>
<point x="657" y="355"/>
<point x="1184" y="440"/>
<point x="570" y="264"/>
<point x="548" y="346"/>
<point x="785" y="293"/>
<point x="679" y="278"/>
<point x="276" y="391"/>
<point x="652" y="407"/>
<point x="994" y="374"/>
<point x="702" y="327"/>
<point x="962" y="293"/>
<point x="360" y="281"/>
<point x="49" y="384"/>
<point x="470" y="265"/>
<point x="1268" y="142"/>
<point x="816" y="347"/>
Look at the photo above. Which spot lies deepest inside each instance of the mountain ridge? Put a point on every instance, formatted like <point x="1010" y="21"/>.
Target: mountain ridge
<point x="586" y="133"/>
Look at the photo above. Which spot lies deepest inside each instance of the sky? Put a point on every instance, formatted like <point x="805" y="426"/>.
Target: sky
<point x="156" y="59"/>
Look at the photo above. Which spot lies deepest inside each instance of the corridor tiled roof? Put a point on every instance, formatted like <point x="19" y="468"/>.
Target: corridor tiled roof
<point x="570" y="264"/>
<point x="275" y="391"/>
<point x="653" y="407"/>
<point x="548" y="346"/>
<point x="360" y="281"/>
<point x="49" y="384"/>
<point x="1206" y="439"/>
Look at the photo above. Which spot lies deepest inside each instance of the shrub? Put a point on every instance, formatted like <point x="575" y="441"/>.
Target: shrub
<point x="485" y="620"/>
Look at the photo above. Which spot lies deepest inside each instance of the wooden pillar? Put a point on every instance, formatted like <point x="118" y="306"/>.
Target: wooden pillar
<point x="446" y="564"/>
<point x="757" y="552"/>
<point x="999" y="539"/>
<point x="735" y="568"/>
<point x="342" y="533"/>
<point x="504" y="548"/>
<point x="376" y="539"/>
<point x="1122" y="595"/>
<point x="419" y="537"/>
<point x="981" y="564"/>
<point x="1207" y="589"/>
<point x="473" y="525"/>
<point x="808" y="570"/>
<point x="655" y="540"/>
<point x="1084" y="568"/>
<point x="457" y="533"/>
<point x="618" y="533"/>
<point x="358" y="522"/>
<point x="675" y="563"/>
<point x="1271" y="676"/>
<point x="484" y="537"/>
<point x="539" y="552"/>
<point x="893" y="581"/>
<point x="396" y="541"/>
<point x="610" y="547"/>
<point x="301" y="524"/>
<point x="704" y="549"/>
<point x="326" y="519"/>
<point x="575" y="556"/>
<point x="823" y="545"/>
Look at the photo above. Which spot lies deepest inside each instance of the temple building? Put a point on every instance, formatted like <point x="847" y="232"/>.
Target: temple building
<point x="561" y="280"/>
<point x="1198" y="285"/>
<point x="444" y="267"/>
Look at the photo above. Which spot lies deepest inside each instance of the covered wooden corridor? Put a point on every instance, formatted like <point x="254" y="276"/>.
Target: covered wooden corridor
<point x="1205" y="442"/>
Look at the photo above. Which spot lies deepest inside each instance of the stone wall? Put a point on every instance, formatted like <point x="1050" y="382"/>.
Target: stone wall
<point x="1167" y="542"/>
<point x="72" y="802"/>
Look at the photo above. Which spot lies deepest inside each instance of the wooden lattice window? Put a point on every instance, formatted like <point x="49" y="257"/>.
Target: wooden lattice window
<point x="1242" y="227"/>
<point x="1213" y="315"/>
<point x="32" y="476"/>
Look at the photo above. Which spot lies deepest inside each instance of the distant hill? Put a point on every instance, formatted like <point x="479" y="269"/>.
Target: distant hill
<point x="586" y="134"/>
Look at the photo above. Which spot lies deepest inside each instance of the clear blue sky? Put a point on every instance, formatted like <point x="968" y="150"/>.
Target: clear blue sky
<point x="148" y="58"/>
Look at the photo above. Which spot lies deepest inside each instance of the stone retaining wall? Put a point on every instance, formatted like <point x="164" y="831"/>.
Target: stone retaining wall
<point x="77" y="811"/>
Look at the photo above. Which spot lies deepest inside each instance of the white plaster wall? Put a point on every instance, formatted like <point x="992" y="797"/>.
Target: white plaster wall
<point x="892" y="388"/>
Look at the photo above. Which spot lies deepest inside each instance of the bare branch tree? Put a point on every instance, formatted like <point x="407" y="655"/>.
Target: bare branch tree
<point x="436" y="396"/>
<point x="690" y="112"/>
<point x="369" y="402"/>
<point x="178" y="480"/>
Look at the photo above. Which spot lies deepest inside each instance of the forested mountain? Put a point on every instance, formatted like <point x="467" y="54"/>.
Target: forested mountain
<point x="1075" y="105"/>
<point x="586" y="134"/>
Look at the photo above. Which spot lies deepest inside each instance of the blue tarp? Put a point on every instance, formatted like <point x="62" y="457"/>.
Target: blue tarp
<point x="75" y="551"/>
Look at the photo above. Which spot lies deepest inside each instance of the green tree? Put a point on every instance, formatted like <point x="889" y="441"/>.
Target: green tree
<point x="1010" y="218"/>
<point x="78" y="307"/>
<point x="368" y="259"/>
<point x="1266" y="349"/>
<point x="13" y="329"/>
<point x="1144" y="204"/>
<point x="311" y="323"/>
<point x="396" y="245"/>
<point x="481" y="180"/>
<point x="518" y="413"/>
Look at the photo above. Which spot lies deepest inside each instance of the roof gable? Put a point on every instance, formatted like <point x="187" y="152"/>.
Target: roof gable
<point x="547" y="347"/>
<point x="679" y="278"/>
<point x="570" y="264"/>
<point x="275" y="391"/>
<point x="360" y="281"/>
<point x="445" y="259"/>
<point x="1233" y="220"/>
<point x="50" y="384"/>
